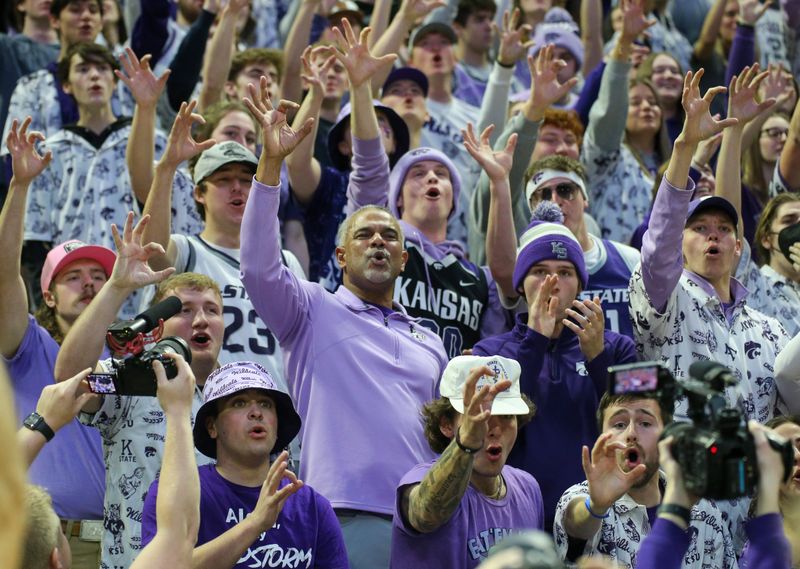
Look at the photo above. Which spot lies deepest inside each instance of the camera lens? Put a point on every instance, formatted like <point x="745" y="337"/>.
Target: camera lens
<point x="173" y="345"/>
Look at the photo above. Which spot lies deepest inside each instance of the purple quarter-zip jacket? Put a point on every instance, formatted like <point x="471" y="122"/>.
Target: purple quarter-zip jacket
<point x="357" y="378"/>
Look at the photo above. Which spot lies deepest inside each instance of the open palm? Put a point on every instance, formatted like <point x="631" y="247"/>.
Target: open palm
<point x="354" y="54"/>
<point x="278" y="138"/>
<point x="699" y="124"/>
<point x="742" y="102"/>
<point x="497" y="164"/>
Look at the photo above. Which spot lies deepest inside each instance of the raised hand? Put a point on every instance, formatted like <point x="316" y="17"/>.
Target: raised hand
<point x="354" y="54"/>
<point x="61" y="402"/>
<point x="140" y="79"/>
<point x="607" y="481"/>
<point x="131" y="270"/>
<point x="589" y="326"/>
<point x="514" y="39"/>
<point x="181" y="145"/>
<point x="26" y="162"/>
<point x="414" y="11"/>
<point x="706" y="149"/>
<point x="634" y="21"/>
<point x="478" y="407"/>
<point x="278" y="138"/>
<point x="176" y="394"/>
<point x="236" y="6"/>
<point x="698" y="123"/>
<point x="543" y="308"/>
<point x="497" y="164"/>
<point x="742" y="92"/>
<point x="750" y="11"/>
<point x="314" y="74"/>
<point x="271" y="499"/>
<point x="545" y="87"/>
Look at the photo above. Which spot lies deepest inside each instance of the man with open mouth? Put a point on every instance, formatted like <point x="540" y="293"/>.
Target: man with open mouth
<point x="451" y="511"/>
<point x="613" y="510"/>
<point x="253" y="511"/>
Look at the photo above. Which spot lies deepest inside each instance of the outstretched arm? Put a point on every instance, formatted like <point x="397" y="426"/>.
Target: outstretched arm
<point x="501" y="239"/>
<point x="305" y="170"/>
<point x="742" y="105"/>
<point x="84" y="344"/>
<point x="220" y="53"/>
<point x="58" y="404"/>
<point x="27" y="163"/>
<point x="178" y="502"/>
<point x="429" y="504"/>
<point x="296" y="44"/>
<point x="181" y="146"/>
<point x="146" y="89"/>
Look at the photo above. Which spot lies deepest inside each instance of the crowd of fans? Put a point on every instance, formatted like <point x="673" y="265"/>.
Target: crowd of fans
<point x="407" y="245"/>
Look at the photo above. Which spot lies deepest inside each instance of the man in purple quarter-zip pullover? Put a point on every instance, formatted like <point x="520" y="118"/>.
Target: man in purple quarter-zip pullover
<point x="357" y="366"/>
<point x="564" y="352"/>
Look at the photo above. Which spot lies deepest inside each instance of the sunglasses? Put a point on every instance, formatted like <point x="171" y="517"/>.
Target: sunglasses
<point x="565" y="191"/>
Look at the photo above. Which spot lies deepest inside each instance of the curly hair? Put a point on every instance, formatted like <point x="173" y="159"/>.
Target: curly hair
<point x="438" y="410"/>
<point x="565" y="120"/>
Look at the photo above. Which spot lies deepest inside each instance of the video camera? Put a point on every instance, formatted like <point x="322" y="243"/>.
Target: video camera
<point x="133" y="365"/>
<point x="715" y="449"/>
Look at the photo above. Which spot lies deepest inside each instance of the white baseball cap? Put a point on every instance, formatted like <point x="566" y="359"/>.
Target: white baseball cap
<point x="508" y="402"/>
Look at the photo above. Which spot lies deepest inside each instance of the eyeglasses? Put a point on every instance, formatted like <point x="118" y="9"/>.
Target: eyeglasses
<point x="775" y="132"/>
<point x="565" y="191"/>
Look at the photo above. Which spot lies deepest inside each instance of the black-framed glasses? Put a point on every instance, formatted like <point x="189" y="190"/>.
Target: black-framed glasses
<point x="775" y="132"/>
<point x="564" y="190"/>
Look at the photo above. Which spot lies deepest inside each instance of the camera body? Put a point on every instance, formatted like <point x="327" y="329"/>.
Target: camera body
<point x="714" y="448"/>
<point x="135" y="375"/>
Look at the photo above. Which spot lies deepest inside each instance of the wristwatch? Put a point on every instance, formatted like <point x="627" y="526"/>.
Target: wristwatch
<point x="36" y="422"/>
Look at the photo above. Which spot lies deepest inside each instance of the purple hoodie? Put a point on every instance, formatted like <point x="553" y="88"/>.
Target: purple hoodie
<point x="358" y="378"/>
<point x="566" y="390"/>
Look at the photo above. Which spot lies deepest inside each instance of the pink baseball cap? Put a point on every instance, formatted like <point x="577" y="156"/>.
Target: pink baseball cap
<point x="73" y="250"/>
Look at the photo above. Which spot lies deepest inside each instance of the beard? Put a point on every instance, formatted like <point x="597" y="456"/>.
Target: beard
<point x="652" y="470"/>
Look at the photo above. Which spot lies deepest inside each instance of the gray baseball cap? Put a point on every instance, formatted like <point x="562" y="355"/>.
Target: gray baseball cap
<point x="220" y="154"/>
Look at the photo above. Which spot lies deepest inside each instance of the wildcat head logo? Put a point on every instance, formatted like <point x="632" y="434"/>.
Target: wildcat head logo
<point x="559" y="249"/>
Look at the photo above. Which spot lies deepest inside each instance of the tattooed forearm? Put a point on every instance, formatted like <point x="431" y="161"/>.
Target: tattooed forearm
<point x="431" y="503"/>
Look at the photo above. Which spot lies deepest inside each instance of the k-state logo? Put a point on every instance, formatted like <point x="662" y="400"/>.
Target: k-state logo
<point x="559" y="249"/>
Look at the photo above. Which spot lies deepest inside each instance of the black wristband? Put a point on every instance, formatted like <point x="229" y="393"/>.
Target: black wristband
<point x="509" y="66"/>
<point x="462" y="447"/>
<point x="676" y="510"/>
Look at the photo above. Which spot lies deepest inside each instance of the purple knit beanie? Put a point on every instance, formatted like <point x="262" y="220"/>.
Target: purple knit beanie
<point x="561" y="30"/>
<point x="546" y="238"/>
<point x="400" y="170"/>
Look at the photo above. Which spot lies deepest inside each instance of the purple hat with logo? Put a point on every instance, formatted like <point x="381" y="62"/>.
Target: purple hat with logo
<point x="545" y="239"/>
<point x="698" y="206"/>
<point x="233" y="378"/>
<point x="400" y="170"/>
<point x="561" y="30"/>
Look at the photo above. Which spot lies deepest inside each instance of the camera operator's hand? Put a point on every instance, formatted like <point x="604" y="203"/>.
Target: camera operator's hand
<point x="131" y="270"/>
<point x="607" y="481"/>
<point x="676" y="492"/>
<point x="175" y="395"/>
<point x="61" y="402"/>
<point x="770" y="469"/>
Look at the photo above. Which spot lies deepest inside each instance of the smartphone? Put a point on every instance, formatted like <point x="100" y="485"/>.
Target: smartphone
<point x="634" y="378"/>
<point x="102" y="383"/>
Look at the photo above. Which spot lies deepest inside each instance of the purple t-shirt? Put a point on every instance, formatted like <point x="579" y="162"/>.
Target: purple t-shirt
<point x="305" y="535"/>
<point x="71" y="466"/>
<point x="477" y="524"/>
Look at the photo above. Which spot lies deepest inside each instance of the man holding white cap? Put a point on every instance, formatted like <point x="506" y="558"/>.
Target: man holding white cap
<point x="71" y="468"/>
<point x="251" y="511"/>
<point x="564" y="351"/>
<point x="450" y="511"/>
<point x="562" y="181"/>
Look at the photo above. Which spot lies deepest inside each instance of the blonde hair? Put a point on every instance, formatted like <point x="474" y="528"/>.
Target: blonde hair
<point x="193" y="281"/>
<point x="42" y="529"/>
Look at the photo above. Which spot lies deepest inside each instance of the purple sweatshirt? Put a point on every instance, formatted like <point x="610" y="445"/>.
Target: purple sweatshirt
<point x="768" y="548"/>
<point x="566" y="391"/>
<point x="358" y="378"/>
